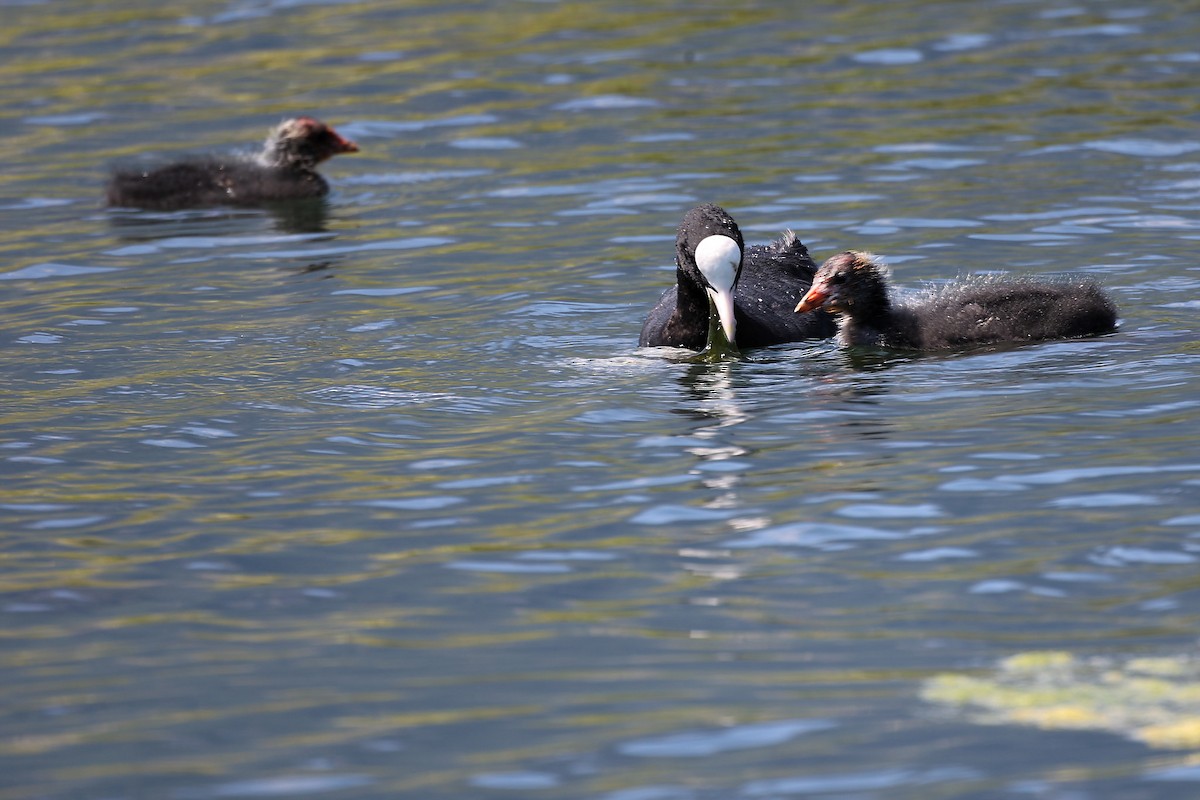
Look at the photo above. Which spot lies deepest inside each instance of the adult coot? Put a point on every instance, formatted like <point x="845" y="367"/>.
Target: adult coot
<point x="854" y="286"/>
<point x="286" y="169"/>
<point x="753" y="291"/>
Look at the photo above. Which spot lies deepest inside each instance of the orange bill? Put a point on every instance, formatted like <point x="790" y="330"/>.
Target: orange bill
<point x="815" y="298"/>
<point x="344" y="145"/>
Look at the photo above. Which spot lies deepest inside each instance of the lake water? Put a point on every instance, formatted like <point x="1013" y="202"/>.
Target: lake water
<point x="381" y="499"/>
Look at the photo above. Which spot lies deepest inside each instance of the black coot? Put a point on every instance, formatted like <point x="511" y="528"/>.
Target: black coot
<point x="754" y="291"/>
<point x="286" y="169"/>
<point x="854" y="286"/>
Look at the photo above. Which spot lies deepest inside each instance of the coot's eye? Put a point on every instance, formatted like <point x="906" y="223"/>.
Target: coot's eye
<point x="838" y="277"/>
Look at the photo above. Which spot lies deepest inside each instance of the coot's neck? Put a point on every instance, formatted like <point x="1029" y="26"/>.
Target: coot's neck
<point x="284" y="153"/>
<point x="690" y="319"/>
<point x="868" y="317"/>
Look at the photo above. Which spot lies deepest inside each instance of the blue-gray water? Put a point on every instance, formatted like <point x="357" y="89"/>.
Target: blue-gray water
<point x="382" y="500"/>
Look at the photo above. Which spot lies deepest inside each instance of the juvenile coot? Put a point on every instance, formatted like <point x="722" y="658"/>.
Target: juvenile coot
<point x="284" y="170"/>
<point x="754" y="290"/>
<point x="854" y="286"/>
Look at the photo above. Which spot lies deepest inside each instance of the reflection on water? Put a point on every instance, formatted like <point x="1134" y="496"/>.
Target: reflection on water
<point x="296" y="217"/>
<point x="376" y="497"/>
<point x="710" y="386"/>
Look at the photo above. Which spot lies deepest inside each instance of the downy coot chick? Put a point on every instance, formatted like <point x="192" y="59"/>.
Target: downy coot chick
<point x="854" y="286"/>
<point x="284" y="170"/>
<point x="753" y="290"/>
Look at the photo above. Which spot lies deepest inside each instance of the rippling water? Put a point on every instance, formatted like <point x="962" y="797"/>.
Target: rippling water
<point x="378" y="498"/>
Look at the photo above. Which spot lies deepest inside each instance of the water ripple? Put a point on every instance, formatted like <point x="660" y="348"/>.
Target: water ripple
<point x="891" y="56"/>
<point x="282" y="786"/>
<point x="821" y="535"/>
<point x="857" y="783"/>
<point x="879" y="511"/>
<point x="701" y="744"/>
<point x="607" y="102"/>
<point x="411" y="177"/>
<point x="1149" y="148"/>
<point x="1122" y="556"/>
<point x="367" y="129"/>
<point x="51" y="270"/>
<point x="360" y="396"/>
<point x="411" y="243"/>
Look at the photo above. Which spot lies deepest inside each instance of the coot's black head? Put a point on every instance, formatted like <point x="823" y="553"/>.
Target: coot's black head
<point x="304" y="142"/>
<point x="708" y="251"/>
<point x="853" y="282"/>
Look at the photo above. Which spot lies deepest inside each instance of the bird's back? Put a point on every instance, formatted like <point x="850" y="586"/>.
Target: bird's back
<point x="211" y="182"/>
<point x="774" y="278"/>
<point x="174" y="186"/>
<point x="1013" y="311"/>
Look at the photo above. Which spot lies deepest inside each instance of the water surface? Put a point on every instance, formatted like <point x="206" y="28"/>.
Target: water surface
<point x="379" y="498"/>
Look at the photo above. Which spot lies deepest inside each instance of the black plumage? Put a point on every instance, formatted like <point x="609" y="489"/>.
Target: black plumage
<point x="768" y="280"/>
<point x="284" y="170"/>
<point x="854" y="286"/>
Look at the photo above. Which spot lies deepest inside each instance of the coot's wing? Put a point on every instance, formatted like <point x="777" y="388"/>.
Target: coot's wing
<point x="1015" y="311"/>
<point x="774" y="278"/>
<point x="188" y="183"/>
<point x="654" y="329"/>
<point x="251" y="184"/>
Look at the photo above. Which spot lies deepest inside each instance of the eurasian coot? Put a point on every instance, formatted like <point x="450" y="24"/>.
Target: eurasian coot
<point x="854" y="286"/>
<point x="753" y="291"/>
<point x="284" y="170"/>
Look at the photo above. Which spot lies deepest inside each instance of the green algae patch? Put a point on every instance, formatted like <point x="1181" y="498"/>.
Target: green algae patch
<point x="1155" y="701"/>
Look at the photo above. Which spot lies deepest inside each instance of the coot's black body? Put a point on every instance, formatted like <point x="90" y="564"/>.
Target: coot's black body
<point x="768" y="280"/>
<point x="854" y="286"/>
<point x="284" y="170"/>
